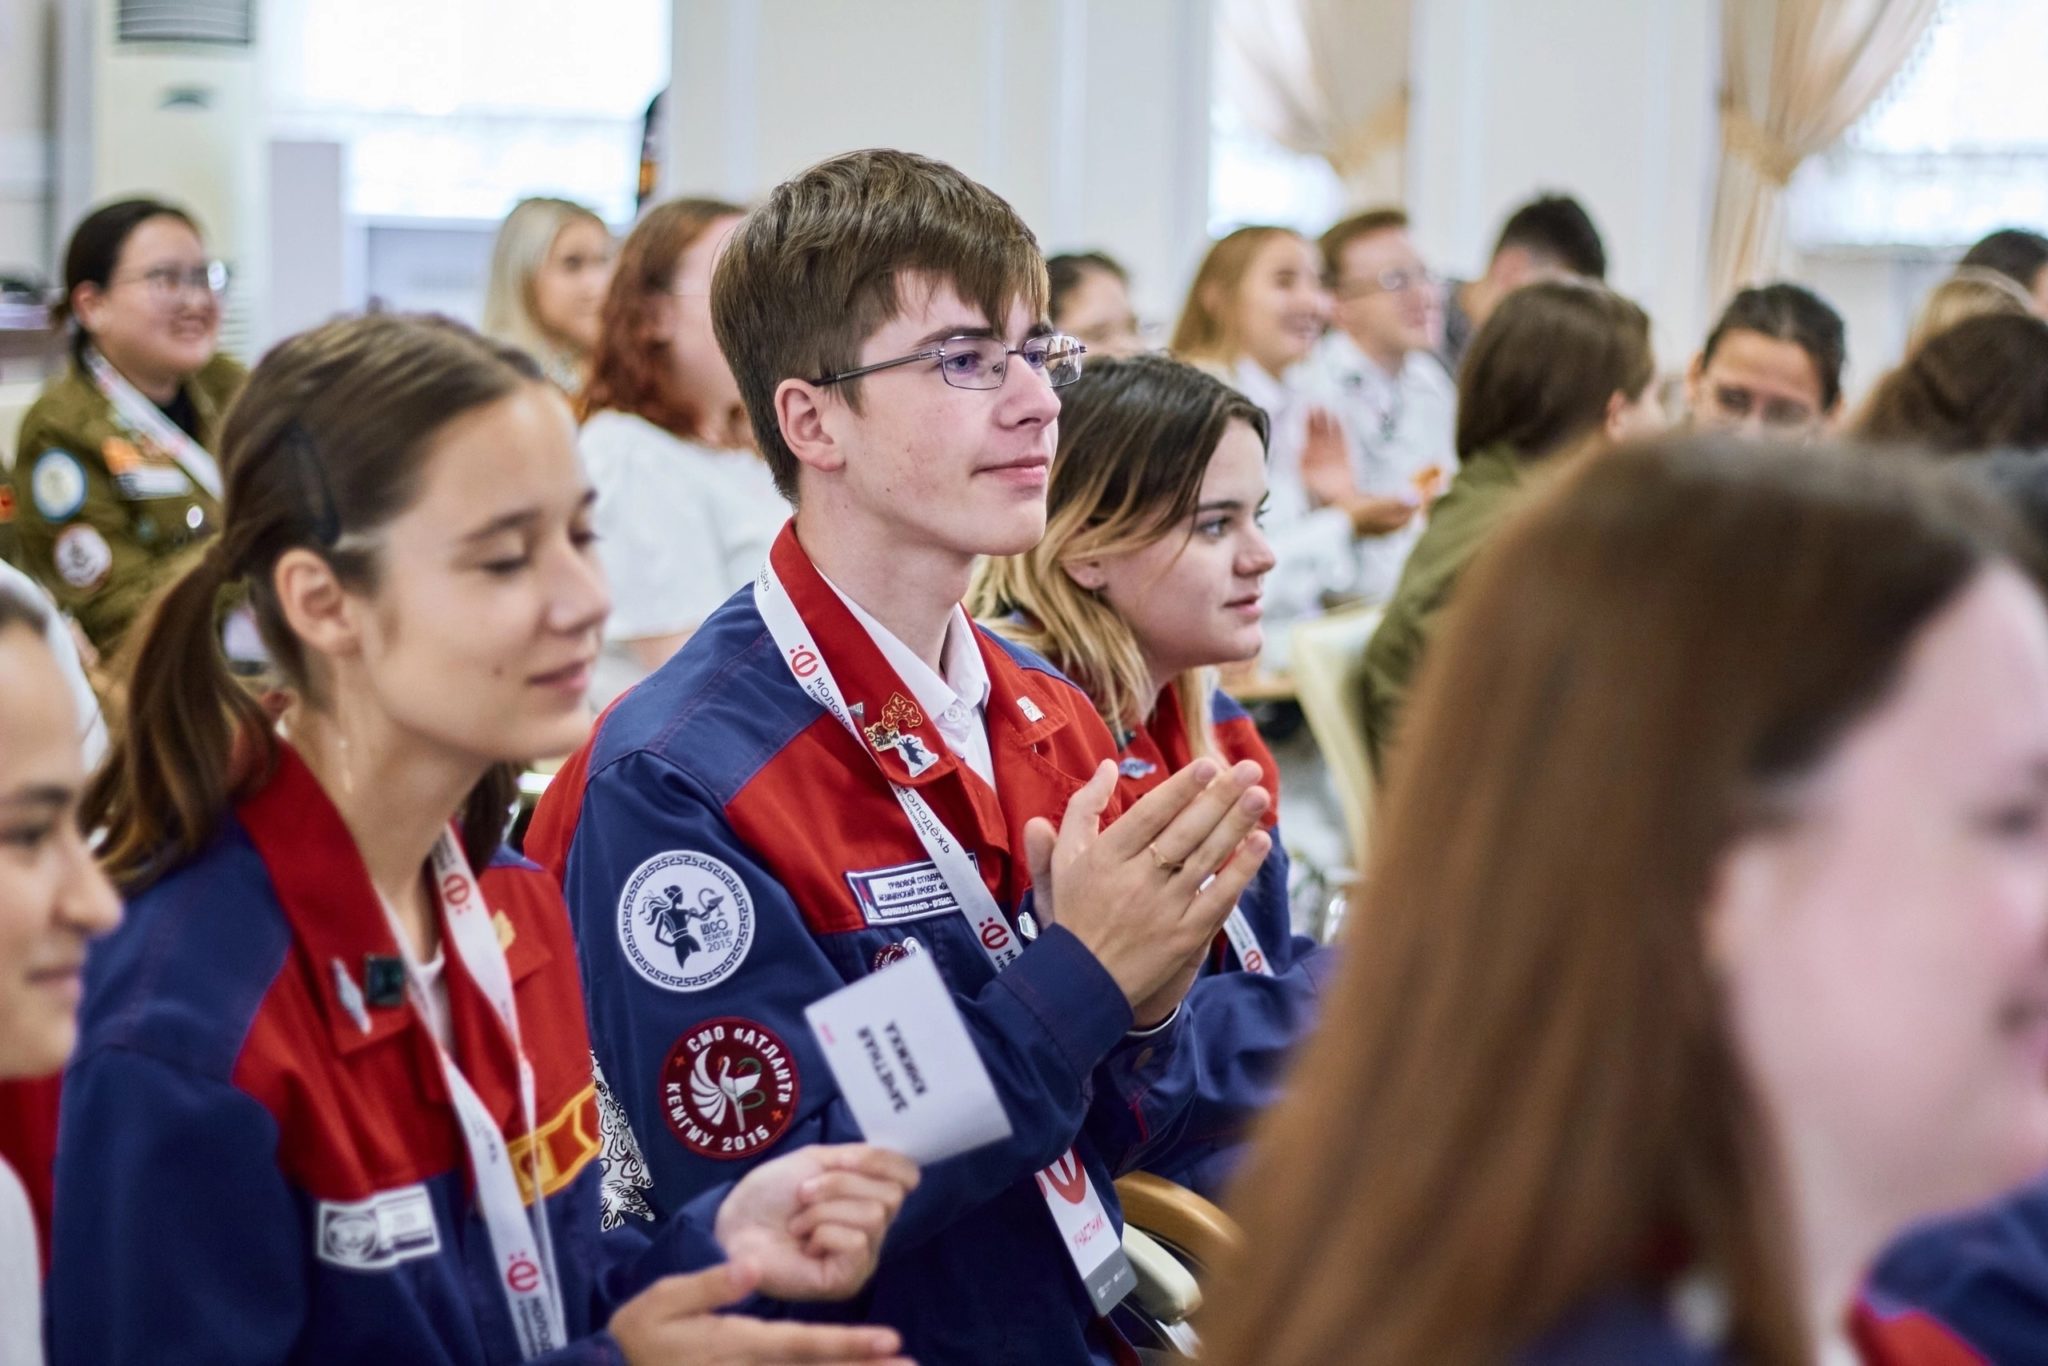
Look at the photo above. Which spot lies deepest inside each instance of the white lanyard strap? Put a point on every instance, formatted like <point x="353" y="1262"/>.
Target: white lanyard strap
<point x="1245" y="941"/>
<point x="148" y="419"/>
<point x="806" y="663"/>
<point x="522" y="1243"/>
<point x="1077" y="1210"/>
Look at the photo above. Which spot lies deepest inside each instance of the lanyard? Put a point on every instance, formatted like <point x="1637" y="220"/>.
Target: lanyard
<point x="1069" y="1193"/>
<point x="522" y="1244"/>
<point x="1246" y="941"/>
<point x="147" y="419"/>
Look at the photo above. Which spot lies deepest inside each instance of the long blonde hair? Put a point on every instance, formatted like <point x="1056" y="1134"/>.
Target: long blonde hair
<point x="1206" y="334"/>
<point x="1136" y="437"/>
<point x="524" y="240"/>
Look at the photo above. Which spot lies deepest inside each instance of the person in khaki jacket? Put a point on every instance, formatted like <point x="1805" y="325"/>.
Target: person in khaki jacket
<point x="114" y="480"/>
<point x="1562" y="368"/>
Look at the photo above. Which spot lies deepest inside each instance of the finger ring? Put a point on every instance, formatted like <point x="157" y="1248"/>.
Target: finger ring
<point x="1162" y="862"/>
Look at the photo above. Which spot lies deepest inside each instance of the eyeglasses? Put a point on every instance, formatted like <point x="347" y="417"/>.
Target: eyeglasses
<point x="1386" y="282"/>
<point x="166" y="283"/>
<point x="981" y="362"/>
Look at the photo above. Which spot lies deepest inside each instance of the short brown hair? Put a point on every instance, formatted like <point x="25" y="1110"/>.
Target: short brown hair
<point x="1348" y="230"/>
<point x="1542" y="369"/>
<point x="816" y="270"/>
<point x="628" y="370"/>
<point x="1975" y="387"/>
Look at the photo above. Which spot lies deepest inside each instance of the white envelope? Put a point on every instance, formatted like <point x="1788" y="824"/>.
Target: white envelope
<point x="905" y="1064"/>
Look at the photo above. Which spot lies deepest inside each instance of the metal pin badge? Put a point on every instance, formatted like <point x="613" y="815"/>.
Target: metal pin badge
<point x="384" y="980"/>
<point x="1027" y="926"/>
<point x="351" y="997"/>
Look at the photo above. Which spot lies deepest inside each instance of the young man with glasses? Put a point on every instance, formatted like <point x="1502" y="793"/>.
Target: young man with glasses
<point x="840" y="770"/>
<point x="1376" y="370"/>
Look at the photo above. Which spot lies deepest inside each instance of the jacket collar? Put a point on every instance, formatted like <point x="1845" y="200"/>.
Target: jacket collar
<point x="896" y="730"/>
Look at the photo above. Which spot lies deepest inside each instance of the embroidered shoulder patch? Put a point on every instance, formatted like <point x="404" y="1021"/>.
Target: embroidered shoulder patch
<point x="82" y="556"/>
<point x="57" y="484"/>
<point x="685" y="921"/>
<point x="729" y="1088"/>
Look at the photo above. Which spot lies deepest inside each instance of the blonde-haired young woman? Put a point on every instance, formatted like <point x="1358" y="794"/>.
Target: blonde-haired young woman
<point x="549" y="269"/>
<point x="1149" y="575"/>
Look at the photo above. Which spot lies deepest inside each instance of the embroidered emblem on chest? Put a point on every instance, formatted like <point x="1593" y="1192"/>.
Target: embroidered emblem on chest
<point x="685" y="921"/>
<point x="729" y="1088"/>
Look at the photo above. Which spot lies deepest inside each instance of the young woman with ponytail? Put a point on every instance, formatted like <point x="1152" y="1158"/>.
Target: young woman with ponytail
<point x="1150" y="574"/>
<point x="334" y="1099"/>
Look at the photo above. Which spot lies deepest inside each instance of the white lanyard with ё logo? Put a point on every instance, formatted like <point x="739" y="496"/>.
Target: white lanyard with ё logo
<point x="1070" y="1195"/>
<point x="148" y="420"/>
<point x="522" y="1244"/>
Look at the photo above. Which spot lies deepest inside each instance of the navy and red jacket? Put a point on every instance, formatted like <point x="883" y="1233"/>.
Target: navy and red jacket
<point x="732" y="854"/>
<point x="246" y="1174"/>
<point x="1982" y="1277"/>
<point x="1245" y="1024"/>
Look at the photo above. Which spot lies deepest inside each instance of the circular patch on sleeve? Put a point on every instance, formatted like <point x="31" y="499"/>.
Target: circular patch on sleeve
<point x="728" y="1088"/>
<point x="82" y="556"/>
<point x="685" y="921"/>
<point x="58" y="485"/>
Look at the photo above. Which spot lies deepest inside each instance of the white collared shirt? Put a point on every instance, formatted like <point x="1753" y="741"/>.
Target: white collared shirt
<point x="1396" y="426"/>
<point x="956" y="703"/>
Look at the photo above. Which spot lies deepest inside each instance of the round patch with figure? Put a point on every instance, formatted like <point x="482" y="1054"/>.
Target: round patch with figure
<point x="728" y="1088"/>
<point x="57" y="484"/>
<point x="685" y="921"/>
<point x="82" y="556"/>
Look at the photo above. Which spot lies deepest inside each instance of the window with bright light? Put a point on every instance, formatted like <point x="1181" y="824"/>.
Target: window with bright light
<point x="1252" y="178"/>
<point x="1956" y="147"/>
<point x="459" y="108"/>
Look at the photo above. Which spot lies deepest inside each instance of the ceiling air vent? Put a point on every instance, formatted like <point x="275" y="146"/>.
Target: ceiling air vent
<point x="223" y="23"/>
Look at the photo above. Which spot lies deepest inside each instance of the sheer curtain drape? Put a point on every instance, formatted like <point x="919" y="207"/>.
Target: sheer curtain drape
<point x="1795" y="75"/>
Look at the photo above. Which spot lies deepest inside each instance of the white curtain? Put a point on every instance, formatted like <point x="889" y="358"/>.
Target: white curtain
<point x="1326" y="78"/>
<point x="1795" y="75"/>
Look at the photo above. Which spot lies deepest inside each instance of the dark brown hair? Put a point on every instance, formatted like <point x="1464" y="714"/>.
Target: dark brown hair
<point x="1979" y="386"/>
<point x="1136" y="439"/>
<point x="1541" y="371"/>
<point x="1557" y="228"/>
<point x="1523" y="1095"/>
<point x="818" y="268"/>
<point x="2015" y="253"/>
<point x="1348" y="230"/>
<point x="94" y="252"/>
<point x="325" y="446"/>
<point x="1790" y="313"/>
<point x="630" y="369"/>
<point x="1065" y="272"/>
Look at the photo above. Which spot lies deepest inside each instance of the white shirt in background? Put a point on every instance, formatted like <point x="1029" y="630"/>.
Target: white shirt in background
<point x="21" y="1299"/>
<point x="1312" y="547"/>
<point x="680" y="528"/>
<point x="1396" y="426"/>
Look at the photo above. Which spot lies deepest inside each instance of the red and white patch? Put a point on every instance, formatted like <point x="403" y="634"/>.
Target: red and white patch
<point x="729" y="1088"/>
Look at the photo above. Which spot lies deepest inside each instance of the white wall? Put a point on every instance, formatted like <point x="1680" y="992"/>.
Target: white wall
<point x="1090" y="116"/>
<point x="27" y="47"/>
<point x="1611" y="100"/>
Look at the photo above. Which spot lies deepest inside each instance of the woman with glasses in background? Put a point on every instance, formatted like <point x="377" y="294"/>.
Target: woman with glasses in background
<point x="114" y="476"/>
